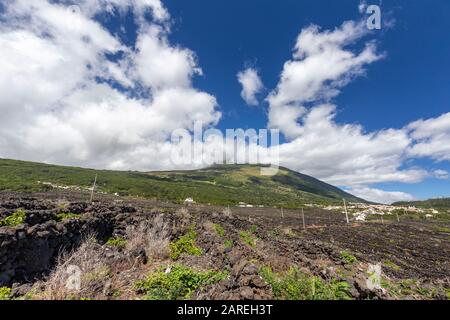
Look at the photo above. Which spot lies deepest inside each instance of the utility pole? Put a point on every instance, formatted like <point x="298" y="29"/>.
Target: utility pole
<point x="303" y="217"/>
<point x="396" y="213"/>
<point x="93" y="188"/>
<point x="282" y="213"/>
<point x="346" y="213"/>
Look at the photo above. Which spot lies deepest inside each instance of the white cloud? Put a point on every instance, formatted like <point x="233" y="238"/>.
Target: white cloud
<point x="345" y="154"/>
<point x="342" y="154"/>
<point x="380" y="196"/>
<point x="432" y="138"/>
<point x="53" y="107"/>
<point x="251" y="85"/>
<point x="441" y="174"/>
<point x="321" y="65"/>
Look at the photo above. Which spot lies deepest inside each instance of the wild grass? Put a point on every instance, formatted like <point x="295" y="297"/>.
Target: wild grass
<point x="177" y="283"/>
<point x="296" y="285"/>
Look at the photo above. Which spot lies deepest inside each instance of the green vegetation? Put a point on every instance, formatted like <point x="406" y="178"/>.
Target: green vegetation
<point x="248" y="238"/>
<point x="295" y="285"/>
<point x="274" y="233"/>
<point x="443" y="229"/>
<point x="228" y="244"/>
<point x="14" y="220"/>
<point x="219" y="230"/>
<point x="5" y="293"/>
<point x="218" y="185"/>
<point x="408" y="288"/>
<point x="180" y="283"/>
<point x="185" y="244"/>
<point x="392" y="265"/>
<point x="117" y="242"/>
<point x="442" y="204"/>
<point x="67" y="216"/>
<point x="347" y="257"/>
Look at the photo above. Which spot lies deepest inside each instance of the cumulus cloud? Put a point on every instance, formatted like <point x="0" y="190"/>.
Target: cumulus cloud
<point x="441" y="174"/>
<point x="321" y="65"/>
<point x="380" y="196"/>
<point x="58" y="93"/>
<point x="345" y="154"/>
<point x="251" y="85"/>
<point x="432" y="138"/>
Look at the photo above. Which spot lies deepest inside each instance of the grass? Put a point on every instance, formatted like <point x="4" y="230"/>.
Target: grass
<point x="347" y="257"/>
<point x="14" y="220"/>
<point x="67" y="216"/>
<point x="219" y="230"/>
<point x="407" y="288"/>
<point x="392" y="265"/>
<point x="178" y="284"/>
<point x="185" y="245"/>
<point x="5" y="293"/>
<point x="443" y="230"/>
<point x="248" y="238"/>
<point x="296" y="285"/>
<point x="117" y="242"/>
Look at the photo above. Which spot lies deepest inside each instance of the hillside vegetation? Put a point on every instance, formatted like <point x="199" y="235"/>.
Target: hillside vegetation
<point x="218" y="185"/>
<point x="439" y="204"/>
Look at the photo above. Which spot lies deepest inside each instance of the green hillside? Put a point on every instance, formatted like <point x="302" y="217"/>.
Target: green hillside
<point x="221" y="185"/>
<point x="439" y="204"/>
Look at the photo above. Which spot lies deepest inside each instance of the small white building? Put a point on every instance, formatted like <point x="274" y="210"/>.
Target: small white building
<point x="189" y="201"/>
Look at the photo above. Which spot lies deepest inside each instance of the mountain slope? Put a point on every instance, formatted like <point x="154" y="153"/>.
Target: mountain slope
<point x="440" y="203"/>
<point x="221" y="185"/>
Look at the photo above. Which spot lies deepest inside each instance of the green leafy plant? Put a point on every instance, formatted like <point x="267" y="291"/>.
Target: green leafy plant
<point x="248" y="238"/>
<point x="5" y="293"/>
<point x="17" y="218"/>
<point x="228" y="244"/>
<point x="296" y="285"/>
<point x="67" y="216"/>
<point x="185" y="244"/>
<point x="347" y="257"/>
<point x="117" y="242"/>
<point x="180" y="283"/>
<point x="219" y="230"/>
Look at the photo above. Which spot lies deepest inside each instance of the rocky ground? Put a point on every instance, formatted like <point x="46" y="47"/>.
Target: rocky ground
<point x="138" y="249"/>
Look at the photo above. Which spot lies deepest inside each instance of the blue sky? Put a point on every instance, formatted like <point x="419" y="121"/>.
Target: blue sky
<point x="140" y="67"/>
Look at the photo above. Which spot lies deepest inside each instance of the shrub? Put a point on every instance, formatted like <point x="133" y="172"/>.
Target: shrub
<point x="17" y="218"/>
<point x="117" y="242"/>
<point x="185" y="244"/>
<point x="5" y="293"/>
<point x="347" y="257"/>
<point x="180" y="283"/>
<point x="219" y="230"/>
<point x="295" y="285"/>
<point x="247" y="237"/>
<point x="228" y="244"/>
